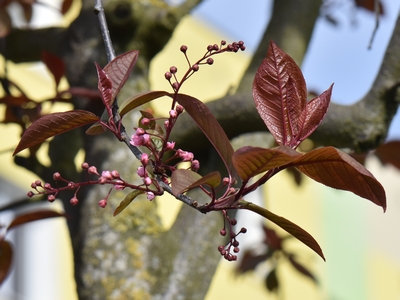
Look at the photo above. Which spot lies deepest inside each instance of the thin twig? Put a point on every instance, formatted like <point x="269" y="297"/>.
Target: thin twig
<point x="99" y="11"/>
<point x="377" y="13"/>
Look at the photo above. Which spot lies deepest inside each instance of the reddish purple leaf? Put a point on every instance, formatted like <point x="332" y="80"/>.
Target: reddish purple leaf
<point x="203" y="117"/>
<point x="389" y="153"/>
<point x="212" y="179"/>
<point x="338" y="170"/>
<point x="105" y="87"/>
<point x="272" y="240"/>
<point x="280" y="95"/>
<point x="182" y="179"/>
<point x="119" y="69"/>
<point x="127" y="200"/>
<point x="316" y="111"/>
<point x="34" y="216"/>
<point x="298" y="232"/>
<point x="95" y="129"/>
<point x="6" y="255"/>
<point x="66" y="5"/>
<point x="140" y="99"/>
<point x="251" y="161"/>
<point x="250" y="261"/>
<point x="55" y="65"/>
<point x="299" y="267"/>
<point x="52" y="125"/>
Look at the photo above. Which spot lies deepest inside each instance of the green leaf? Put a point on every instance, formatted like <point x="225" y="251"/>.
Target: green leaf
<point x="295" y="230"/>
<point x="127" y="200"/>
<point x="135" y="101"/>
<point x="336" y="169"/>
<point x="52" y="125"/>
<point x="251" y="161"/>
<point x="203" y="117"/>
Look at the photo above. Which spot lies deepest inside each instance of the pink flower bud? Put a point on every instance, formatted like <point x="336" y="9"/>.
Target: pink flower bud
<point x="115" y="174"/>
<point x="71" y="185"/>
<point x="195" y="165"/>
<point x="140" y="131"/>
<point x="141" y="171"/>
<point x="170" y="146"/>
<point x="173" y="113"/>
<point x="225" y="181"/>
<point x="103" y="203"/>
<point x="106" y="175"/>
<point x="166" y="124"/>
<point x="93" y="170"/>
<point x="74" y="201"/>
<point x="150" y="196"/>
<point x="85" y="166"/>
<point x="51" y="198"/>
<point x="179" y="109"/>
<point x="38" y="182"/>
<point x="146" y="139"/>
<point x="30" y="194"/>
<point x="56" y="176"/>
<point x="145" y="121"/>
<point x="147" y="181"/>
<point x="144" y="159"/>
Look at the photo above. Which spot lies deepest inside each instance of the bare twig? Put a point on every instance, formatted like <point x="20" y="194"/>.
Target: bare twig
<point x="377" y="13"/>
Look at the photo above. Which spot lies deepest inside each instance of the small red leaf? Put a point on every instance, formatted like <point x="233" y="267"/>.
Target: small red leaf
<point x="338" y="170"/>
<point x="389" y="153"/>
<point x="140" y="99"/>
<point x="55" y="65"/>
<point x="251" y="161"/>
<point x="66" y="5"/>
<point x="298" y="232"/>
<point x="119" y="69"/>
<point x="203" y="117"/>
<point x="299" y="267"/>
<point x="6" y="255"/>
<point x="316" y="111"/>
<point x="34" y="216"/>
<point x="127" y="200"/>
<point x="52" y="125"/>
<point x="280" y="95"/>
<point x="182" y="179"/>
<point x="95" y="129"/>
<point x="105" y="87"/>
<point x="212" y="179"/>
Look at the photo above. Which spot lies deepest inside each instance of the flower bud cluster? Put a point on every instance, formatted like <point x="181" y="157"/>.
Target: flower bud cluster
<point x="233" y="244"/>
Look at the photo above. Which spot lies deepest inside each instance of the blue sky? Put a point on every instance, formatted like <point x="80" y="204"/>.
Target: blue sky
<point x="337" y="54"/>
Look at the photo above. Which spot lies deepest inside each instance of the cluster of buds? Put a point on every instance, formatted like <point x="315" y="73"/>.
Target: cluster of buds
<point x="106" y="177"/>
<point x="233" y="243"/>
<point x="205" y="60"/>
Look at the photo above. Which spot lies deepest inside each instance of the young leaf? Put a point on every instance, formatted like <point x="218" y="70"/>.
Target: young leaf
<point x="280" y="95"/>
<point x="52" y="125"/>
<point x="212" y="179"/>
<point x="315" y="111"/>
<point x="140" y="99"/>
<point x="127" y="200"/>
<point x="54" y="64"/>
<point x="251" y="161"/>
<point x="5" y="260"/>
<point x="338" y="170"/>
<point x="389" y="153"/>
<point x="303" y="270"/>
<point x="203" y="117"/>
<point x="95" y="129"/>
<point x="119" y="69"/>
<point x="34" y="216"/>
<point x="182" y="179"/>
<point x="299" y="233"/>
<point x="105" y="87"/>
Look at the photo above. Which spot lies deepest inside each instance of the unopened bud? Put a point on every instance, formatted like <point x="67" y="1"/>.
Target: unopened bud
<point x="173" y="69"/>
<point x="51" y="198"/>
<point x="103" y="203"/>
<point x="57" y="176"/>
<point x="74" y="201"/>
